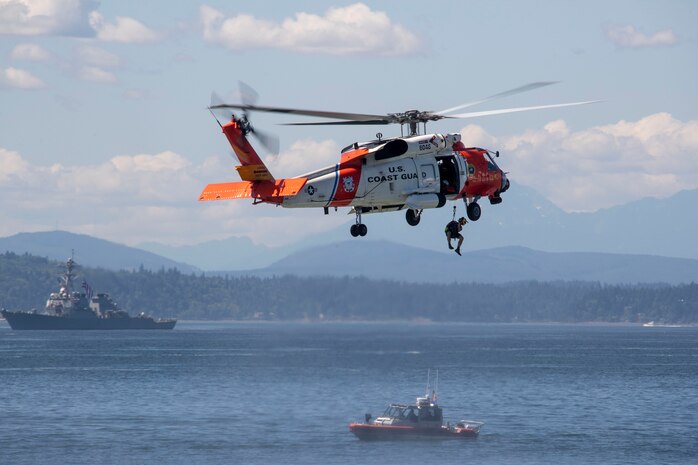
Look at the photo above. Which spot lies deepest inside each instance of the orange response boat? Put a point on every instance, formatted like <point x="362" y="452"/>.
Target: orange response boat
<point x="424" y="419"/>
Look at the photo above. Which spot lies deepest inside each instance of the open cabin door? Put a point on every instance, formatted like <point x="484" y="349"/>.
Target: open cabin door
<point x="449" y="176"/>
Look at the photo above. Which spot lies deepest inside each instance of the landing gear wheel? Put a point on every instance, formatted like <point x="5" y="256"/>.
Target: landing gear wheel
<point x="413" y="217"/>
<point x="358" y="228"/>
<point x="474" y="211"/>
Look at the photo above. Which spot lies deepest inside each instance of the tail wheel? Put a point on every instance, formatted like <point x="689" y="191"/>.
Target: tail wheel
<point x="474" y="211"/>
<point x="413" y="217"/>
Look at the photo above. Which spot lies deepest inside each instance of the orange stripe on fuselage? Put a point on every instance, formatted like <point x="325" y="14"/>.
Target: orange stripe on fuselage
<point x="349" y="177"/>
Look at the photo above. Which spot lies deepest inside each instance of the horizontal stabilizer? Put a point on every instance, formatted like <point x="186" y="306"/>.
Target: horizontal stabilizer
<point x="264" y="190"/>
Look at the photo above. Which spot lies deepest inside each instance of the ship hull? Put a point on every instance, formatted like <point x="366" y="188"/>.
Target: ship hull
<point x="37" y="321"/>
<point x="371" y="432"/>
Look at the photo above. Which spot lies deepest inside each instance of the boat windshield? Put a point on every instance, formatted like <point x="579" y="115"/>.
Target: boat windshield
<point x="395" y="411"/>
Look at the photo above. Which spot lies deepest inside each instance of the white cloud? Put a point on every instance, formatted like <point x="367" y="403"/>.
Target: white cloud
<point x="350" y="30"/>
<point x="162" y="162"/>
<point x="139" y="198"/>
<point x="603" y="165"/>
<point x="19" y="79"/>
<point x="302" y="157"/>
<point x="131" y="191"/>
<point x="74" y="18"/>
<point x="11" y="165"/>
<point x="29" y="52"/>
<point x="123" y="29"/>
<point x="629" y="36"/>
<point x="45" y="17"/>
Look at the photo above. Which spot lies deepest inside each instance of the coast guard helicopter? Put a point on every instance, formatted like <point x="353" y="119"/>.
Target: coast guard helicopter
<point x="413" y="172"/>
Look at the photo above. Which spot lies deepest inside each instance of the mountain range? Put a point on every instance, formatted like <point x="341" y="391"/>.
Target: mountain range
<point x="88" y="251"/>
<point x="387" y="260"/>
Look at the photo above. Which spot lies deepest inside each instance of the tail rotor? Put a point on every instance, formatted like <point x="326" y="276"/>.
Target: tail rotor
<point x="249" y="97"/>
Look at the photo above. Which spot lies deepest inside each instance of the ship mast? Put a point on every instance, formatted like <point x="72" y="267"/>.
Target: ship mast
<point x="66" y="279"/>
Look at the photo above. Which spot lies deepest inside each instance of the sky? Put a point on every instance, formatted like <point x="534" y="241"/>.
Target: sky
<point x="104" y="128"/>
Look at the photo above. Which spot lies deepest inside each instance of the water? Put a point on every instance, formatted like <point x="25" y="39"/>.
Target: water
<point x="272" y="393"/>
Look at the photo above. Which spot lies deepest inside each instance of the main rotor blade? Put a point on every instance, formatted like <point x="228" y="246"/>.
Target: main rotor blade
<point x="348" y="122"/>
<point x="506" y="93"/>
<point x="476" y="114"/>
<point x="218" y="113"/>
<point x="298" y="111"/>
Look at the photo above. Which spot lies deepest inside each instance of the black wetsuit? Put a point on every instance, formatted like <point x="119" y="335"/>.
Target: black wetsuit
<point x="453" y="228"/>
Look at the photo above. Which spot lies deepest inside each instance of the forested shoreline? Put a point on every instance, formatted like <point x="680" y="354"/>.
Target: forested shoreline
<point x="26" y="281"/>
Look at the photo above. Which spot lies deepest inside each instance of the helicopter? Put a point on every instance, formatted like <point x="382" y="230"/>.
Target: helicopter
<point x="414" y="172"/>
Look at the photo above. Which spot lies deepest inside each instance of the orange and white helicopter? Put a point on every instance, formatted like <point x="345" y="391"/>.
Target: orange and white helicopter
<point x="413" y="172"/>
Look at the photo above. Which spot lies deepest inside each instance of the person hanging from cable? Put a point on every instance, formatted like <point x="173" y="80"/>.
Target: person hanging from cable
<point x="453" y="229"/>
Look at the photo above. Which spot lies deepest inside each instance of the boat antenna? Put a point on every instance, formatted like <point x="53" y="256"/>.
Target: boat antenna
<point x="436" y="387"/>
<point x="428" y="381"/>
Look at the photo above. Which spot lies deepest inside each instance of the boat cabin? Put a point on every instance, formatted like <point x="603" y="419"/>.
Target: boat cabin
<point x="424" y="414"/>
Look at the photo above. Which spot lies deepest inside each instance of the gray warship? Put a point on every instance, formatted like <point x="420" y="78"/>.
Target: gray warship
<point x="69" y="309"/>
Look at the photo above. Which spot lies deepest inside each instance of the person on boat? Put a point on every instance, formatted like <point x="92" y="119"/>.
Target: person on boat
<point x="453" y="230"/>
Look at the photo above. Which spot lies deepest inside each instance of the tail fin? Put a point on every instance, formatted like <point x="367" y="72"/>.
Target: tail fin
<point x="257" y="182"/>
<point x="251" y="166"/>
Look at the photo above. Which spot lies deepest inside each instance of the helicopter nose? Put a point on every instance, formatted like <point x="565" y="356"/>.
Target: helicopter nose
<point x="505" y="183"/>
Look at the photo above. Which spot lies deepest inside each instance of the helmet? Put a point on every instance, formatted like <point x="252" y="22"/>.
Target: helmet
<point x="462" y="220"/>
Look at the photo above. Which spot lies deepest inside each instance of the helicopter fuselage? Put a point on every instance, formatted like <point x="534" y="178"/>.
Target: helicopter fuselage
<point x="422" y="172"/>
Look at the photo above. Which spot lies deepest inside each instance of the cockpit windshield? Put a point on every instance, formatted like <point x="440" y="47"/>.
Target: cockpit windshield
<point x="491" y="164"/>
<point x="368" y="145"/>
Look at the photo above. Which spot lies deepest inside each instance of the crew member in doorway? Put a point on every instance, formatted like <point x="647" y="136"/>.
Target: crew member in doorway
<point x="453" y="230"/>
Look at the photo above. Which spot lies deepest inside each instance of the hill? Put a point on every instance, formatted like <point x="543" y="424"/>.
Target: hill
<point x="27" y="280"/>
<point x="89" y="251"/>
<point x="382" y="259"/>
<point x="397" y="262"/>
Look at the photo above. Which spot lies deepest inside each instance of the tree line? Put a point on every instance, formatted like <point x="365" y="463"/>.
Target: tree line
<point x="26" y="281"/>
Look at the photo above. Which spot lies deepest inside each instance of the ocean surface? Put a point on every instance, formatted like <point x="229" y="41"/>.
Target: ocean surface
<point x="238" y="393"/>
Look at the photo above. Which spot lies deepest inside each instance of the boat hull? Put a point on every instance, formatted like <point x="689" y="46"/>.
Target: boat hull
<point x="371" y="432"/>
<point x="37" y="321"/>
